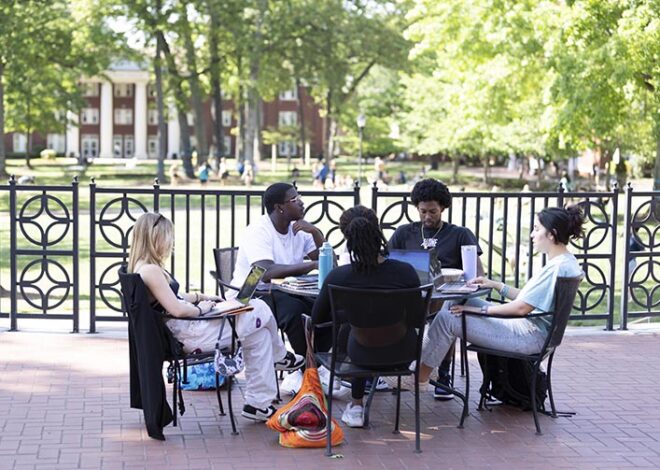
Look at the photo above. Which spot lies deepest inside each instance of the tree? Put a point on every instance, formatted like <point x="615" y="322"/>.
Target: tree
<point x="45" y="47"/>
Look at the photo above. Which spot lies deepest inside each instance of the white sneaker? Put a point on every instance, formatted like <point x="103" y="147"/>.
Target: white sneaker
<point x="292" y="383"/>
<point x="353" y="416"/>
<point x="339" y="391"/>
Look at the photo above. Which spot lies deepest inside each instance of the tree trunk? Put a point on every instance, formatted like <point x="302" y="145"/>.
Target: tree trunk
<point x="327" y="131"/>
<point x="656" y="172"/>
<point x="455" y="165"/>
<point x="3" y="164"/>
<point x="252" y="140"/>
<point x="216" y="91"/>
<point x="195" y="92"/>
<point x="28" y="132"/>
<point x="301" y="119"/>
<point x="180" y="100"/>
<point x="486" y="163"/>
<point x="160" y="105"/>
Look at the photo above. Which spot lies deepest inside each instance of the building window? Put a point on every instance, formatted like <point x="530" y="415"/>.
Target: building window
<point x="56" y="142"/>
<point x="124" y="116"/>
<point x="289" y="95"/>
<point x="89" y="145"/>
<point x="152" y="117"/>
<point x="287" y="148"/>
<point x="19" y="142"/>
<point x="128" y="146"/>
<point x="226" y="119"/>
<point x="288" y="118"/>
<point x="90" y="89"/>
<point x="122" y="146"/>
<point x="152" y="146"/>
<point x="123" y="90"/>
<point x="227" y="145"/>
<point x="89" y="116"/>
<point x="151" y="91"/>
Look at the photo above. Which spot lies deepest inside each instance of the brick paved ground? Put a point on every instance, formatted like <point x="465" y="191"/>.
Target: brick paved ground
<point x="64" y="404"/>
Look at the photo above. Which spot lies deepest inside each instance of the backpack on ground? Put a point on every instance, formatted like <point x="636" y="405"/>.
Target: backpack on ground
<point x="508" y="380"/>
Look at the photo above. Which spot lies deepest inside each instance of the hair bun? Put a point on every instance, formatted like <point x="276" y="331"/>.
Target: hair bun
<point x="575" y="221"/>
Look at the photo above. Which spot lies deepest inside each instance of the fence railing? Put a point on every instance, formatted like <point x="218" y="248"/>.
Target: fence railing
<point x="40" y="273"/>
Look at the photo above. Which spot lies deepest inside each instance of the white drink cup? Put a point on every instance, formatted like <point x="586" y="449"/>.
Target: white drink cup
<point x="344" y="258"/>
<point x="469" y="260"/>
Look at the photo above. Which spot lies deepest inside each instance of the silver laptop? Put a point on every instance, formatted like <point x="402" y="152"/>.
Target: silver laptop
<point x="245" y="293"/>
<point x="421" y="260"/>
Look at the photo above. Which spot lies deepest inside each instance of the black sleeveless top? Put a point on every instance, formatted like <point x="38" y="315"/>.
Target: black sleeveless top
<point x="174" y="285"/>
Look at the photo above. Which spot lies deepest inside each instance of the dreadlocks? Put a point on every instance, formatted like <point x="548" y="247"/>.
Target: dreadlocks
<point x="364" y="240"/>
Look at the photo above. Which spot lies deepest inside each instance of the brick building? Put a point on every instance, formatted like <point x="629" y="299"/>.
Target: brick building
<point x="120" y="120"/>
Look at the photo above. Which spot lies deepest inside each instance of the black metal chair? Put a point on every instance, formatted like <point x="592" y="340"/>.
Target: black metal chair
<point x="377" y="318"/>
<point x="150" y="344"/>
<point x="565" y="291"/>
<point x="225" y="260"/>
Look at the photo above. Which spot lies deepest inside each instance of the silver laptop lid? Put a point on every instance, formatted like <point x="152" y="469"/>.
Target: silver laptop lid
<point x="418" y="259"/>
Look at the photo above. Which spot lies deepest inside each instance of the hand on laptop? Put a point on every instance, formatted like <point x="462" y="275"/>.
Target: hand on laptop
<point x="205" y="306"/>
<point x="482" y="281"/>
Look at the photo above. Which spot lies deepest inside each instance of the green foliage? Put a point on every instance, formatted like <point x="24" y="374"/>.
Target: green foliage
<point x="45" y="47"/>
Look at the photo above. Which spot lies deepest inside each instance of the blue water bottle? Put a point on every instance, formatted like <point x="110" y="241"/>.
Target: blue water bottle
<point x="325" y="262"/>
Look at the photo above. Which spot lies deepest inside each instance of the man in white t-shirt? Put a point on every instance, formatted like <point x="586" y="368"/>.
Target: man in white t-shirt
<point x="279" y="241"/>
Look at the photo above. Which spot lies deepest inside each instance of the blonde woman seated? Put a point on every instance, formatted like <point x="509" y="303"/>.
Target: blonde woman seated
<point x="153" y="240"/>
<point x="553" y="229"/>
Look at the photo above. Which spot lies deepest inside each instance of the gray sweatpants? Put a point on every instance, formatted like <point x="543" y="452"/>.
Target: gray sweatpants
<point x="513" y="335"/>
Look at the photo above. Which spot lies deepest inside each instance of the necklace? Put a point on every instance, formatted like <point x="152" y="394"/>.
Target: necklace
<point x="429" y="242"/>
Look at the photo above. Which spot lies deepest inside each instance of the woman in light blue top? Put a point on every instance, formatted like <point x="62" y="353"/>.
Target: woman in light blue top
<point x="553" y="228"/>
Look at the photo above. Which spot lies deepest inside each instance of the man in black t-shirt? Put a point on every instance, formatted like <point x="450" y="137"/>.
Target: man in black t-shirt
<point x="431" y="197"/>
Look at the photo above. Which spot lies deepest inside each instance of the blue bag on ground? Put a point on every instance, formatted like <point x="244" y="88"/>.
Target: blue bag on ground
<point x="201" y="377"/>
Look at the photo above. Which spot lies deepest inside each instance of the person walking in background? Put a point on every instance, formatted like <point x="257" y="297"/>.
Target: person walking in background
<point x="203" y="173"/>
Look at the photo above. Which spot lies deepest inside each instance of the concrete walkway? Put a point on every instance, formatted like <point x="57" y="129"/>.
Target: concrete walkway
<point x="64" y="404"/>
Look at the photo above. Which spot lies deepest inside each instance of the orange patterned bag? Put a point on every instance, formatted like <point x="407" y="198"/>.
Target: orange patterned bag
<point x="302" y="422"/>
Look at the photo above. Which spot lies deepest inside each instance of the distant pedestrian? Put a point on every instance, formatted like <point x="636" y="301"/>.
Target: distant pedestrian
<point x="203" y="173"/>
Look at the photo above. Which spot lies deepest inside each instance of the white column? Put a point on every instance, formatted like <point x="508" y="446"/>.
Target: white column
<point x="140" y="120"/>
<point x="173" y="135"/>
<point x="106" y="120"/>
<point x="72" y="135"/>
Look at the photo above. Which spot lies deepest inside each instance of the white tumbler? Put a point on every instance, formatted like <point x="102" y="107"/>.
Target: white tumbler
<point x="469" y="260"/>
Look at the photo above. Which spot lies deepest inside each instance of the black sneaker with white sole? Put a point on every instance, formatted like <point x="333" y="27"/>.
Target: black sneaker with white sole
<point x="256" y="414"/>
<point x="440" y="393"/>
<point x="290" y="362"/>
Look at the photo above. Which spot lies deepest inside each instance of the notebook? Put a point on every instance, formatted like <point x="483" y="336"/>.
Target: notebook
<point x="457" y="287"/>
<point x="418" y="259"/>
<point x="241" y="302"/>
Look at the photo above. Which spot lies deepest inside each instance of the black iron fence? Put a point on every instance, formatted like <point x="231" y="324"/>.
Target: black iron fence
<point x="41" y="250"/>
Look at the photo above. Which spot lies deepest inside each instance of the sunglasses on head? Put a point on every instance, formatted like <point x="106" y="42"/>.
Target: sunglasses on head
<point x="160" y="217"/>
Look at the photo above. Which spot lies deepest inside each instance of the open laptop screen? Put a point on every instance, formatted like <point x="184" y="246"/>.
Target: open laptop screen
<point x="419" y="259"/>
<point x="250" y="285"/>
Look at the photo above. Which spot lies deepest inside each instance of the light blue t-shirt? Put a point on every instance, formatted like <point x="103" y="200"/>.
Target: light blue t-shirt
<point x="539" y="292"/>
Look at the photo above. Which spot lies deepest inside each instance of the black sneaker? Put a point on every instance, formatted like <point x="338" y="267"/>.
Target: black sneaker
<point x="250" y="412"/>
<point x="441" y="394"/>
<point x="290" y="362"/>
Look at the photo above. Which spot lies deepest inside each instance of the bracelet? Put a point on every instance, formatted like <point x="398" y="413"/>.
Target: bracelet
<point x="504" y="290"/>
<point x="196" y="298"/>
<point x="199" y="309"/>
<point x="484" y="309"/>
